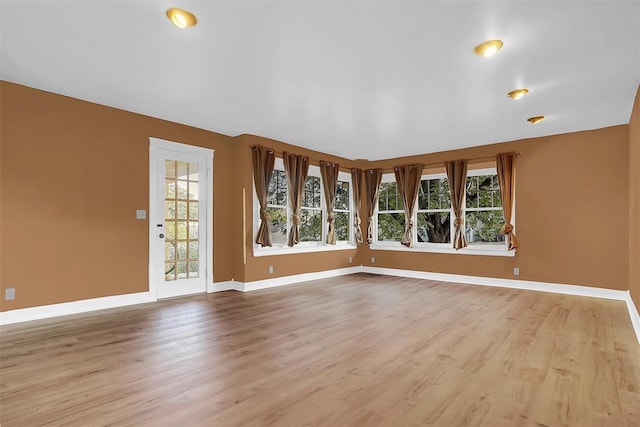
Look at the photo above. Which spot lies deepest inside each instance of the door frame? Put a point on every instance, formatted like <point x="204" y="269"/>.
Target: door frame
<point x="156" y="144"/>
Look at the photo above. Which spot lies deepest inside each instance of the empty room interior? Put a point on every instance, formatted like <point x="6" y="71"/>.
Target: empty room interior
<point x="337" y="213"/>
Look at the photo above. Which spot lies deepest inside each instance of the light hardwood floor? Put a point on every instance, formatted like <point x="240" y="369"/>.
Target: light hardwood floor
<point x="355" y="350"/>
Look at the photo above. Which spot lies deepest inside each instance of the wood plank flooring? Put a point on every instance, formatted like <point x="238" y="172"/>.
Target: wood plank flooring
<point x="350" y="351"/>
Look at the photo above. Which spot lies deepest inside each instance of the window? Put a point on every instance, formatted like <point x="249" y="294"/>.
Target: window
<point x="434" y="211"/>
<point x="313" y="216"/>
<point x="390" y="216"/>
<point x="483" y="211"/>
<point x="342" y="212"/>
<point x="434" y="216"/>
<point x="277" y="203"/>
<point x="311" y="211"/>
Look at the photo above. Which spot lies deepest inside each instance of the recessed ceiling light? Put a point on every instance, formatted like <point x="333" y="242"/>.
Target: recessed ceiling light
<point x="518" y="93"/>
<point x="181" y="18"/>
<point x="488" y="48"/>
<point x="535" y="119"/>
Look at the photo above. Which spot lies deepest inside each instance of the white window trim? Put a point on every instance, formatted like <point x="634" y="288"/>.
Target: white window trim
<point x="304" y="247"/>
<point x="446" y="248"/>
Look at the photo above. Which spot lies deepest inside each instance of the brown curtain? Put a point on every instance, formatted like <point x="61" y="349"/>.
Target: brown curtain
<point x="263" y="160"/>
<point x="296" y="167"/>
<point x="408" y="181"/>
<point x="506" y="165"/>
<point x="329" y="174"/>
<point x="457" y="177"/>
<point x="373" y="177"/>
<point x="357" y="204"/>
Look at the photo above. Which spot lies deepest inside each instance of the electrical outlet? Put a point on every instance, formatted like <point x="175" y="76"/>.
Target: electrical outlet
<point x="350" y="260"/>
<point x="373" y="260"/>
<point x="10" y="294"/>
<point x="141" y="214"/>
<point x="271" y="269"/>
<point x="516" y="271"/>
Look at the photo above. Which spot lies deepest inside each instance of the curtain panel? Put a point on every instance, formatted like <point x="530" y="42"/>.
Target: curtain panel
<point x="263" y="160"/>
<point x="506" y="166"/>
<point x="457" y="177"/>
<point x="373" y="177"/>
<point x="329" y="173"/>
<point x="357" y="204"/>
<point x="296" y="167"/>
<point x="408" y="180"/>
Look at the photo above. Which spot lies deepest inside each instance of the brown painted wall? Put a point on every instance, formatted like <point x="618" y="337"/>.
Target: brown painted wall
<point x="73" y="173"/>
<point x="634" y="201"/>
<point x="257" y="268"/>
<point x="566" y="185"/>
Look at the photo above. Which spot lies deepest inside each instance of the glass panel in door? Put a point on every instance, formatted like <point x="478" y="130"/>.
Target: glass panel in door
<point x="181" y="215"/>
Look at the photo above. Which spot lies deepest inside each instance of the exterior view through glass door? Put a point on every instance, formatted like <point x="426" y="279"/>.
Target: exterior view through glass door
<point x="179" y="223"/>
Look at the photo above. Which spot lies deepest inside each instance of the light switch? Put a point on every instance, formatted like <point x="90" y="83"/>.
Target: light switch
<point x="141" y="214"/>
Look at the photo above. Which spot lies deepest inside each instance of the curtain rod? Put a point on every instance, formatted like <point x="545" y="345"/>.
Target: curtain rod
<point x="442" y="163"/>
<point x="391" y="169"/>
<point x="311" y="160"/>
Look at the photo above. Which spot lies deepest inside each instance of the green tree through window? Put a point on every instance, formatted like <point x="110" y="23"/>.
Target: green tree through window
<point x="390" y="216"/>
<point x="313" y="224"/>
<point x="483" y="217"/>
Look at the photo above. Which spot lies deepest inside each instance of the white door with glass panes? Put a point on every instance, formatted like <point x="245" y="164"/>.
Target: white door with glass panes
<point x="179" y="229"/>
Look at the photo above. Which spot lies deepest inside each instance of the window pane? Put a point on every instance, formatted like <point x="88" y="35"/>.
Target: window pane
<point x="434" y="227"/>
<point x="483" y="227"/>
<point x="170" y="271"/>
<point x="278" y="189"/>
<point x="193" y="210"/>
<point x="182" y="250"/>
<point x="182" y="170"/>
<point x="193" y="268"/>
<point x="170" y="168"/>
<point x="311" y="192"/>
<point x="170" y="230"/>
<point x="342" y="196"/>
<point x="169" y="251"/>
<point x="193" y="230"/>
<point x="169" y="210"/>
<point x="389" y="199"/>
<point x="182" y="230"/>
<point x="341" y="220"/>
<point x="193" y="191"/>
<point x="390" y="227"/>
<point x="310" y="225"/>
<point x="278" y="226"/>
<point x="193" y="250"/>
<point x="434" y="194"/>
<point x="182" y="193"/>
<point x="472" y="192"/>
<point x="170" y="189"/>
<point x="193" y="172"/>
<point x="483" y="192"/>
<point x="182" y="210"/>
<point x="182" y="270"/>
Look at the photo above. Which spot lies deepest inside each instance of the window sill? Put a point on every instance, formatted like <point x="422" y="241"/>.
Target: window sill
<point x="469" y="250"/>
<point x="258" y="252"/>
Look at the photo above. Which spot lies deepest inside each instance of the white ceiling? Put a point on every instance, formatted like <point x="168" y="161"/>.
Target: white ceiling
<point x="360" y="79"/>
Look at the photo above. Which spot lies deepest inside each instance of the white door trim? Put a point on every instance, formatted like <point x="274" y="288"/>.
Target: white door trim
<point x="156" y="144"/>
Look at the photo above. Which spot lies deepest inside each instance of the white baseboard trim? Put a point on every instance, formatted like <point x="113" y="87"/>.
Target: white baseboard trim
<point x="229" y="285"/>
<point x="74" y="307"/>
<point x="633" y="313"/>
<point x="557" y="288"/>
<point x="54" y="310"/>
<point x="296" y="278"/>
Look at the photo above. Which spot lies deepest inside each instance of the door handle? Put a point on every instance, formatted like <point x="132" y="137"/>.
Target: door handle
<point x="161" y="236"/>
